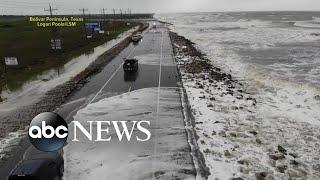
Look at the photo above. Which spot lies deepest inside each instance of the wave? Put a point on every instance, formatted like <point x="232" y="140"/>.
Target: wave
<point x="314" y="23"/>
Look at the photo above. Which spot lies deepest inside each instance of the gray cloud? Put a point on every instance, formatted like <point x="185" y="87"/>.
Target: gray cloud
<point x="72" y="6"/>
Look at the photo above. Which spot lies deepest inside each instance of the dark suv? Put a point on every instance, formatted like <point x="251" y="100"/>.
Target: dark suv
<point x="38" y="165"/>
<point x="130" y="65"/>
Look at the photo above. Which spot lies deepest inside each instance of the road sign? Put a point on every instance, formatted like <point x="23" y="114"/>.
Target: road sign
<point x="101" y="32"/>
<point x="95" y="26"/>
<point x="56" y="44"/>
<point x="11" y="61"/>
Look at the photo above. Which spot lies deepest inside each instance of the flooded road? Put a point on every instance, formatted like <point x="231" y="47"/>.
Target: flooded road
<point x="150" y="94"/>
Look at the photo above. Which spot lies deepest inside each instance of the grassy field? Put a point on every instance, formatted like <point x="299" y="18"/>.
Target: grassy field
<point x="31" y="45"/>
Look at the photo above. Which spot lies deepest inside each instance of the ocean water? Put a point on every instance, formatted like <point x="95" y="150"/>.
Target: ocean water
<point x="284" y="43"/>
<point x="276" y="56"/>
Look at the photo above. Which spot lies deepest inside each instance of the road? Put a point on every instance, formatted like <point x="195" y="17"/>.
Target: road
<point x="153" y="94"/>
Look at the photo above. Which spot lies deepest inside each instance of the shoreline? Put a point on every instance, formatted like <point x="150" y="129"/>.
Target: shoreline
<point x="259" y="126"/>
<point x="194" y="66"/>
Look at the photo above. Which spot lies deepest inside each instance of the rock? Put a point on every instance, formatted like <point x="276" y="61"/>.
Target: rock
<point x="294" y="162"/>
<point x="269" y="177"/>
<point x="282" y="168"/>
<point x="293" y="155"/>
<point x="237" y="178"/>
<point x="234" y="108"/>
<point x="210" y="105"/>
<point x="222" y="134"/>
<point x="258" y="141"/>
<point x="272" y="162"/>
<point x="282" y="150"/>
<point x="207" y="151"/>
<point x="233" y="134"/>
<point x="244" y="162"/>
<point x="213" y="133"/>
<point x="316" y="167"/>
<point x="317" y="97"/>
<point x="297" y="174"/>
<point x="253" y="132"/>
<point x="212" y="99"/>
<point x="230" y="92"/>
<point x="227" y="154"/>
<point x="251" y="99"/>
<point x="315" y="34"/>
<point x="277" y="156"/>
<point x="261" y="175"/>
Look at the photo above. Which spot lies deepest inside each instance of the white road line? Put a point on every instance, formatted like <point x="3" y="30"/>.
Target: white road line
<point x="158" y="101"/>
<point x="105" y="84"/>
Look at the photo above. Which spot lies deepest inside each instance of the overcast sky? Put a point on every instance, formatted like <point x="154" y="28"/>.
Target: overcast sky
<point x="158" y="6"/>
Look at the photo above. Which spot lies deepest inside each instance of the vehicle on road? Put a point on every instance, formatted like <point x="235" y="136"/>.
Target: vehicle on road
<point x="154" y="25"/>
<point x="37" y="165"/>
<point x="136" y="38"/>
<point x="130" y="65"/>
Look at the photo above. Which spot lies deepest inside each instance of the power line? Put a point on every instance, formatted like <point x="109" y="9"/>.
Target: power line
<point x="19" y="2"/>
<point x="19" y="6"/>
<point x="83" y="10"/>
<point x="50" y="10"/>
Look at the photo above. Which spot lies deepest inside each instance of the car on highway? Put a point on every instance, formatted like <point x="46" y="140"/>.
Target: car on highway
<point x="130" y="65"/>
<point x="154" y="25"/>
<point x="136" y="38"/>
<point x="37" y="165"/>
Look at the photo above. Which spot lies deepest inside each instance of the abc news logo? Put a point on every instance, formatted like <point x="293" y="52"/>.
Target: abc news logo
<point x="49" y="132"/>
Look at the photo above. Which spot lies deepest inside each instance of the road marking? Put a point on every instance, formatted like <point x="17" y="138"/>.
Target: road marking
<point x="158" y="101"/>
<point x="105" y="84"/>
<point x="130" y="87"/>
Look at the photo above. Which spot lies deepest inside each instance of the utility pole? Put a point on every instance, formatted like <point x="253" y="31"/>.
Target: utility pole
<point x="83" y="10"/>
<point x="50" y="10"/>
<point x="54" y="30"/>
<point x="114" y="13"/>
<point x="104" y="14"/>
<point x="128" y="13"/>
<point x="120" y="13"/>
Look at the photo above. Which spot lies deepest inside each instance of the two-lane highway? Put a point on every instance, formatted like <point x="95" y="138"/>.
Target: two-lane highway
<point x="150" y="94"/>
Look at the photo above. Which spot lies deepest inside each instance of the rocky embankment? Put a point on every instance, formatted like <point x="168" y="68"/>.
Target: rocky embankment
<point x="230" y="134"/>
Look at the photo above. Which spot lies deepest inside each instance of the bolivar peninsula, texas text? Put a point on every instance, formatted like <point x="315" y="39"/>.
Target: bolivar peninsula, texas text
<point x="56" y="21"/>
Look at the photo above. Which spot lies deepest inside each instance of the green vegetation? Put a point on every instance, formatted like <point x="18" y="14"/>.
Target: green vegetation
<point x="31" y="45"/>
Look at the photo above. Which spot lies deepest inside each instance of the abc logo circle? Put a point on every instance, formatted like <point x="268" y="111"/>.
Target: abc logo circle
<point x="48" y="132"/>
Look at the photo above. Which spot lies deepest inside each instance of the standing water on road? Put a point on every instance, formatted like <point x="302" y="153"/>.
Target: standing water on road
<point x="276" y="55"/>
